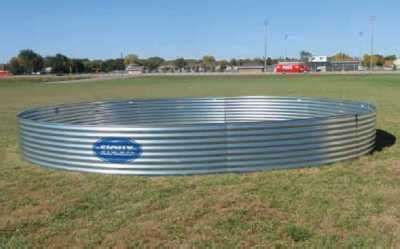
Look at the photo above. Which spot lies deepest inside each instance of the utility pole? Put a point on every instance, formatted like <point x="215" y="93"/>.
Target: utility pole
<point x="372" y="20"/>
<point x="265" y="45"/>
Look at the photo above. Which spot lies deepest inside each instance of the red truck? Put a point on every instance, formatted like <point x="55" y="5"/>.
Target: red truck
<point x="291" y="67"/>
<point x="4" y="73"/>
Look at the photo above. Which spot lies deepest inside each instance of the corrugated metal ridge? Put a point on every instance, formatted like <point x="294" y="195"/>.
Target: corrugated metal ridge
<point x="196" y="135"/>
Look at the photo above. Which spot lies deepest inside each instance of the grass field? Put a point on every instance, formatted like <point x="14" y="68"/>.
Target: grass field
<point x="42" y="78"/>
<point x="353" y="204"/>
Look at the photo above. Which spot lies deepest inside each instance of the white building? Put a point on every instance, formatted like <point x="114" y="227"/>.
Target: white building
<point x="319" y="59"/>
<point x="251" y="68"/>
<point x="134" y="69"/>
<point x="397" y="64"/>
<point x="319" y="63"/>
<point x="48" y="69"/>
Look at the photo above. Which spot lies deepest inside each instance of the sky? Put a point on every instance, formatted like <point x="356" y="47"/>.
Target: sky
<point x="101" y="29"/>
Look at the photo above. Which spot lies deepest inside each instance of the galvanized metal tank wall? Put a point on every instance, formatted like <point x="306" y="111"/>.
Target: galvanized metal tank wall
<point x="196" y="136"/>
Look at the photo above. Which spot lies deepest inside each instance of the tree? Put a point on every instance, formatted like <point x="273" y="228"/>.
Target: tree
<point x="98" y="66"/>
<point x="234" y="62"/>
<point x="257" y="61"/>
<point x="180" y="63"/>
<point x="87" y="66"/>
<point x="245" y="61"/>
<point x="389" y="61"/>
<point x="340" y="57"/>
<point x="119" y="64"/>
<point x="15" y="67"/>
<point x="390" y="58"/>
<point x="153" y="63"/>
<point x="377" y="60"/>
<point x="305" y="56"/>
<point x="30" y="61"/>
<point x="131" y="59"/>
<point x="78" y="65"/>
<point x="208" y="62"/>
<point x="108" y="65"/>
<point x="222" y="65"/>
<point x="59" y="64"/>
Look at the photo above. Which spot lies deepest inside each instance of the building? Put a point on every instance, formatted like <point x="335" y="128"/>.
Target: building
<point x="397" y="64"/>
<point x="134" y="69"/>
<point x="48" y="70"/>
<point x="231" y="69"/>
<point x="319" y="59"/>
<point x="347" y="65"/>
<point x="319" y="63"/>
<point x="324" y="63"/>
<point x="251" y="68"/>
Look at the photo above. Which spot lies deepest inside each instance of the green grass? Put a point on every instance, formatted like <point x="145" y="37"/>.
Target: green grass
<point x="41" y="78"/>
<point x="352" y="204"/>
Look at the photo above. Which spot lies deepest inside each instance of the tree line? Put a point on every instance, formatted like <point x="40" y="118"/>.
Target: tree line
<point x="377" y="59"/>
<point x="30" y="62"/>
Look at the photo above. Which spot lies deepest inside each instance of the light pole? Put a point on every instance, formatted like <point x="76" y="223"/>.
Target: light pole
<point x="285" y="38"/>
<point x="265" y="45"/>
<point x="360" y="35"/>
<point x="372" y="20"/>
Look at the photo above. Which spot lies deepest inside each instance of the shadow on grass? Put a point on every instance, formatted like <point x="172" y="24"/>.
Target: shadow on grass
<point x="383" y="140"/>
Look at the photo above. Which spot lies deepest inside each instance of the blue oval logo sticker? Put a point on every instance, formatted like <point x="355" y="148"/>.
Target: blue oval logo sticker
<point x="117" y="149"/>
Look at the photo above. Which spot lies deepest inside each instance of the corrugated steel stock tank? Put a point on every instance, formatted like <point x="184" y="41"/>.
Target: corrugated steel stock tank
<point x="196" y="135"/>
